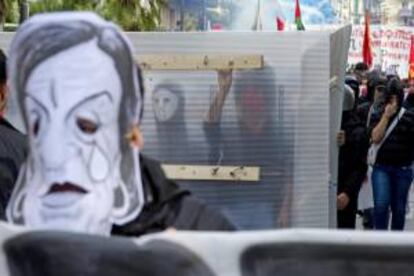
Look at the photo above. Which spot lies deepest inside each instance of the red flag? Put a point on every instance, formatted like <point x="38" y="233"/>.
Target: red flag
<point x="411" y="61"/>
<point x="297" y="10"/>
<point x="298" y="17"/>
<point x="280" y="23"/>
<point x="366" y="46"/>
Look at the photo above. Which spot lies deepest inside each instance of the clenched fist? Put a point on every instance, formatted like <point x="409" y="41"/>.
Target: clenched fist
<point x="342" y="201"/>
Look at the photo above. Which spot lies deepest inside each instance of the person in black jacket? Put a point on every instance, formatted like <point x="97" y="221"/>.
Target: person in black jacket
<point x="352" y="165"/>
<point x="392" y="173"/>
<point x="13" y="145"/>
<point x="169" y="206"/>
<point x="252" y="135"/>
<point x="374" y="79"/>
<point x="84" y="172"/>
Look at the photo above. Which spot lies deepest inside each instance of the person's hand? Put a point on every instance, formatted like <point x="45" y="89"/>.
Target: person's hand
<point x="340" y="138"/>
<point x="342" y="201"/>
<point x="171" y="230"/>
<point x="390" y="109"/>
<point x="283" y="219"/>
<point x="225" y="79"/>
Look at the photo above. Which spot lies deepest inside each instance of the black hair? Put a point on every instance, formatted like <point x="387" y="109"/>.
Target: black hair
<point x="372" y="81"/>
<point x="361" y="66"/>
<point x="352" y="82"/>
<point x="3" y="67"/>
<point x="141" y="87"/>
<point x="261" y="82"/>
<point x="382" y="82"/>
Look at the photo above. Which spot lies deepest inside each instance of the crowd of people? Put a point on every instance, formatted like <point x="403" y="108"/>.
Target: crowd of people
<point x="377" y="131"/>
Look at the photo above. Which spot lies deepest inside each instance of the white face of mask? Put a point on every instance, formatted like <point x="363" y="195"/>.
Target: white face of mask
<point x="165" y="104"/>
<point x="72" y="104"/>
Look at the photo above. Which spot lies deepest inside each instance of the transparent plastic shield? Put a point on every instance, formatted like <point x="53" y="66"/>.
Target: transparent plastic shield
<point x="275" y="118"/>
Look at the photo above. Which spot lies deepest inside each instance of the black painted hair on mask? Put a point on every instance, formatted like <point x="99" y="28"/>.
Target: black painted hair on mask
<point x="3" y="68"/>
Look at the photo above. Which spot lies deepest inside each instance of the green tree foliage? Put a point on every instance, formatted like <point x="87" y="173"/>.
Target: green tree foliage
<point x="61" y="5"/>
<point x="129" y="14"/>
<point x="8" y="11"/>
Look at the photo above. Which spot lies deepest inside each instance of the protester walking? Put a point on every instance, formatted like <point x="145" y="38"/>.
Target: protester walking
<point x="391" y="155"/>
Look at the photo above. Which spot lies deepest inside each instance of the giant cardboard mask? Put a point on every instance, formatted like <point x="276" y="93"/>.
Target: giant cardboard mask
<point x="77" y="86"/>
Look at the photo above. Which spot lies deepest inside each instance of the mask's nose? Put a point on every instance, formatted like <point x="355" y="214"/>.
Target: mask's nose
<point x="55" y="149"/>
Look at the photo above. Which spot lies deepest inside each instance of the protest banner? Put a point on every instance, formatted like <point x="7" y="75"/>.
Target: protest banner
<point x="390" y="46"/>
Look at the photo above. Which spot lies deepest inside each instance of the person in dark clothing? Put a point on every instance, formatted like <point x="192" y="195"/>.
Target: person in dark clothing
<point x="85" y="172"/>
<point x="168" y="104"/>
<point x="13" y="145"/>
<point x="353" y="82"/>
<point x="352" y="165"/>
<point x="376" y="104"/>
<point x="361" y="70"/>
<point x="366" y="112"/>
<point x="251" y="135"/>
<point x="392" y="174"/>
<point x="373" y="80"/>
<point x="359" y="74"/>
<point x="169" y="206"/>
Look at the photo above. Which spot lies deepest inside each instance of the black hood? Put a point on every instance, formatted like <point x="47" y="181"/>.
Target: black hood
<point x="394" y="88"/>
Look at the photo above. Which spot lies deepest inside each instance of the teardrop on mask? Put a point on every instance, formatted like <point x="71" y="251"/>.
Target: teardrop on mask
<point x="98" y="165"/>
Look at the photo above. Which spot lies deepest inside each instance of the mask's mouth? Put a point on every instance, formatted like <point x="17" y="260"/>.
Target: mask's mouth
<point x="63" y="195"/>
<point x="66" y="187"/>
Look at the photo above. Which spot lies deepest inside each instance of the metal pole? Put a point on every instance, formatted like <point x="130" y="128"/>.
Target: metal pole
<point x="203" y="15"/>
<point x="231" y="13"/>
<point x="182" y="3"/>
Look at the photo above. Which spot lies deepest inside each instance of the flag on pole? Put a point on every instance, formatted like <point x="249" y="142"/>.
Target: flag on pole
<point x="298" y="18"/>
<point x="411" y="61"/>
<point x="280" y="16"/>
<point x="280" y="23"/>
<point x="366" y="45"/>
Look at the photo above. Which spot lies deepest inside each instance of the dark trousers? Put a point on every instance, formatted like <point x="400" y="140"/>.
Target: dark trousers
<point x="346" y="218"/>
<point x="390" y="187"/>
<point x="368" y="219"/>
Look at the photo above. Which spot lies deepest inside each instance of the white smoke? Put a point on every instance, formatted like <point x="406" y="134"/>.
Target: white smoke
<point x="312" y="13"/>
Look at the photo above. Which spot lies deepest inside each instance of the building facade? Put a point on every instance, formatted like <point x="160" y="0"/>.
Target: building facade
<point x="392" y="12"/>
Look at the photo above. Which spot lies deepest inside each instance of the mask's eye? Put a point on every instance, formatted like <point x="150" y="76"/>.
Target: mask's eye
<point x="35" y="122"/>
<point x="36" y="126"/>
<point x="87" y="126"/>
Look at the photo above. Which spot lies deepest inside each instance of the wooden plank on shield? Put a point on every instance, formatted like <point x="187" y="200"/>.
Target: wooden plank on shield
<point x="207" y="62"/>
<point x="203" y="172"/>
